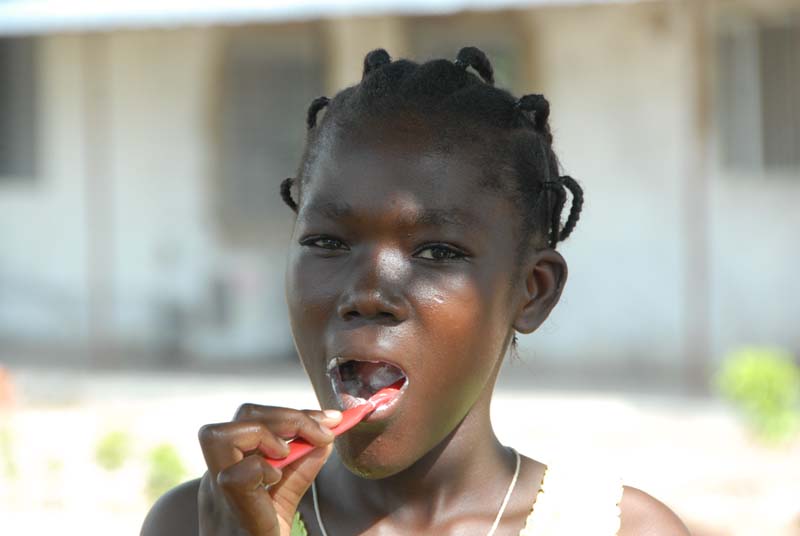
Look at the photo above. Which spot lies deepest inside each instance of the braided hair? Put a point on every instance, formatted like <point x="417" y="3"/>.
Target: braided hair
<point x="509" y="133"/>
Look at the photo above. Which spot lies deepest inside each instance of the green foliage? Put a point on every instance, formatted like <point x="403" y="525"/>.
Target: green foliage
<point x="764" y="383"/>
<point x="298" y="527"/>
<point x="112" y="450"/>
<point x="165" y="470"/>
<point x="54" y="465"/>
<point x="7" y="464"/>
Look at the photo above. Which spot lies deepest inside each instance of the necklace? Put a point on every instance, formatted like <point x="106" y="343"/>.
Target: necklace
<point x="491" y="530"/>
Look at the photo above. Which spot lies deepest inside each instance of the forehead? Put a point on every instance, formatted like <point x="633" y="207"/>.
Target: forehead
<point x="399" y="171"/>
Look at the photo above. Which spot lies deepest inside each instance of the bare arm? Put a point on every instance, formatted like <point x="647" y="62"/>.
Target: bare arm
<point x="644" y="515"/>
<point x="242" y="493"/>
<point x="175" y="513"/>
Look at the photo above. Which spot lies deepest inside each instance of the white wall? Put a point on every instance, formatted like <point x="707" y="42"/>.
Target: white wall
<point x="124" y="205"/>
<point x="619" y="85"/>
<point x="42" y="229"/>
<point x="159" y="87"/>
<point x="755" y="244"/>
<point x="164" y="89"/>
<point x="755" y="231"/>
<point x="614" y="79"/>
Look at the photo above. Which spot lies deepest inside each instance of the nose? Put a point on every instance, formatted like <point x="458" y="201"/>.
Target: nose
<point x="373" y="290"/>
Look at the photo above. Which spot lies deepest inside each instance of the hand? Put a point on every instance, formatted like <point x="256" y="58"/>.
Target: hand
<point x="233" y="496"/>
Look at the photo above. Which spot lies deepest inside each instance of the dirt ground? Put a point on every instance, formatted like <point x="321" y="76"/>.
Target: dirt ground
<point x="691" y="453"/>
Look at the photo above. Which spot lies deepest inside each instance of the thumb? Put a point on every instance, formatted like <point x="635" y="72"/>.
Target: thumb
<point x="297" y="478"/>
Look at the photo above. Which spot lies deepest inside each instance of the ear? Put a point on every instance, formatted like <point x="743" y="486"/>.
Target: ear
<point x="541" y="284"/>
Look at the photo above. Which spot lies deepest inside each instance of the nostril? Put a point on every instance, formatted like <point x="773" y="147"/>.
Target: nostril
<point x="351" y="315"/>
<point x="380" y="316"/>
<point x="375" y="305"/>
<point x="385" y="318"/>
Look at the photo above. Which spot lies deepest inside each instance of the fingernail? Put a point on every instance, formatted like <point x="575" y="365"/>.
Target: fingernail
<point x="284" y="444"/>
<point x="332" y="413"/>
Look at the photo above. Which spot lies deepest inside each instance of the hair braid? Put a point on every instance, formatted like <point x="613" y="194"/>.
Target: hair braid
<point x="286" y="193"/>
<point x="501" y="131"/>
<point x="375" y="59"/>
<point x="475" y="58"/>
<point x="541" y="108"/>
<point x="555" y="218"/>
<point x="577" y="204"/>
<point x="316" y="105"/>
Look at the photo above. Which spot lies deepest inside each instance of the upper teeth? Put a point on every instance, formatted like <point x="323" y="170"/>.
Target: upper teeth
<point x="335" y="361"/>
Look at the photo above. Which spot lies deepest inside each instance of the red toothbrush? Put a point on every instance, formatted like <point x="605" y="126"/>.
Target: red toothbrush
<point x="350" y="417"/>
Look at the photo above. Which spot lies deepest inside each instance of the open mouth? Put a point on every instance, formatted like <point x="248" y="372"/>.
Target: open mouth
<point x="355" y="381"/>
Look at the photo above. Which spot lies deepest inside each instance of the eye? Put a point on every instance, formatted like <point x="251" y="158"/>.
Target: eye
<point x="323" y="242"/>
<point x="440" y="252"/>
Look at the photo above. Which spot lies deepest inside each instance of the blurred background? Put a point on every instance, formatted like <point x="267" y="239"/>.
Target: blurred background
<point x="142" y="238"/>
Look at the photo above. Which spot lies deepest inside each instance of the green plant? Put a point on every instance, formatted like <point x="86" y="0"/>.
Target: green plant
<point x="7" y="464"/>
<point x="764" y="383"/>
<point x="112" y="450"/>
<point x="165" y="470"/>
<point x="298" y="529"/>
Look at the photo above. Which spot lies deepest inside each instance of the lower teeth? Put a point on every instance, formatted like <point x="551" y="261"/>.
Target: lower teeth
<point x="362" y="379"/>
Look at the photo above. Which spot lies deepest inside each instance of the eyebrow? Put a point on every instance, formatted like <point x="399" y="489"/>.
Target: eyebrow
<point x="421" y="218"/>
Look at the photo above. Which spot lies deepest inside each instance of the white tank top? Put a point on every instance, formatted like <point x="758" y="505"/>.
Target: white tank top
<point x="570" y="503"/>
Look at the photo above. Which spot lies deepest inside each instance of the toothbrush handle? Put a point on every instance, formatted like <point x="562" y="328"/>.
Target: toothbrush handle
<point x="299" y="447"/>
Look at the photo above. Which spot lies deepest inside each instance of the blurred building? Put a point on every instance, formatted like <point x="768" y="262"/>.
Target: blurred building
<point x="141" y="148"/>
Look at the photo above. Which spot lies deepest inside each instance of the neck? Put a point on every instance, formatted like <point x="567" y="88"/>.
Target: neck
<point x="451" y="479"/>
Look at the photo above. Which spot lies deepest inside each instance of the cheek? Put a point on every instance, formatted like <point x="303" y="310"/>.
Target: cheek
<point x="309" y="286"/>
<point x="461" y="325"/>
<point x="462" y="304"/>
<point x="308" y="302"/>
<point x="465" y="321"/>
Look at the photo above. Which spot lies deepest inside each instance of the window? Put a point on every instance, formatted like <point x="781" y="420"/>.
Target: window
<point x="759" y="95"/>
<point x="17" y="109"/>
<point x="269" y="77"/>
<point x="494" y="33"/>
<point x="779" y="48"/>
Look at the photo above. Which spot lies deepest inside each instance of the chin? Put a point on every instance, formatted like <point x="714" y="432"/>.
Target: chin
<point x="370" y="460"/>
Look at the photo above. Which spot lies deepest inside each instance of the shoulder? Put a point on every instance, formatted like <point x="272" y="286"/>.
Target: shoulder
<point x="644" y="515"/>
<point x="174" y="513"/>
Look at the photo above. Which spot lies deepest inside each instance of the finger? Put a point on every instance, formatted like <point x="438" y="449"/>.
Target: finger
<point x="297" y="478"/>
<point x="225" y="444"/>
<point x="250" y="475"/>
<point x="328" y="417"/>
<point x="288" y="423"/>
<point x="243" y="484"/>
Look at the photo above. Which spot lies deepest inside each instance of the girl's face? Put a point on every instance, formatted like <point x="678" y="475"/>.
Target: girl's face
<point x="400" y="265"/>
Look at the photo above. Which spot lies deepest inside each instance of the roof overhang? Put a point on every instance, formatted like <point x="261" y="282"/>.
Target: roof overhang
<point x="21" y="17"/>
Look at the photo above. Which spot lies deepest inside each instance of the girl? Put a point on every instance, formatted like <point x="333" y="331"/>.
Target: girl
<point x="428" y="208"/>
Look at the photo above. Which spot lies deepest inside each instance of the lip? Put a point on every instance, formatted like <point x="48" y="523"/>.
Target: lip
<point x="346" y="400"/>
